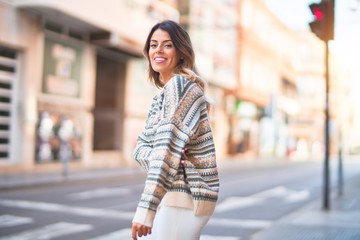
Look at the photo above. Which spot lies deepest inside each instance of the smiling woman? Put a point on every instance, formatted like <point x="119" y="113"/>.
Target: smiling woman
<point x="176" y="146"/>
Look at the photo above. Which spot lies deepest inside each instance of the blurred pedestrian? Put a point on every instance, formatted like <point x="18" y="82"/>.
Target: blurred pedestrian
<point x="176" y="146"/>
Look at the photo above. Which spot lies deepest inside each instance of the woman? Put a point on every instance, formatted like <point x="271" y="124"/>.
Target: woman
<point x="176" y="146"/>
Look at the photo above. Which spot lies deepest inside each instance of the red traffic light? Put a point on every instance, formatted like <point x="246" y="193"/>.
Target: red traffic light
<point x="323" y="23"/>
<point x="317" y="10"/>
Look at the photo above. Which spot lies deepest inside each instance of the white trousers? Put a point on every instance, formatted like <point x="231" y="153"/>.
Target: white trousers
<point x="172" y="223"/>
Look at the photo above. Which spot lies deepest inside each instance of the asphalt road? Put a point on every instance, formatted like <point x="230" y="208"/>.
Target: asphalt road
<point x="251" y="199"/>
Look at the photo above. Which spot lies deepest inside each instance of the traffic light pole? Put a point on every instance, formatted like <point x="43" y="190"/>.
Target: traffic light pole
<point x="323" y="27"/>
<point x="326" y="200"/>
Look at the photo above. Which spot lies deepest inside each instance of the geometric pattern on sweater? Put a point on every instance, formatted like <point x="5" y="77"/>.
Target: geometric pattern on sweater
<point x="177" y="118"/>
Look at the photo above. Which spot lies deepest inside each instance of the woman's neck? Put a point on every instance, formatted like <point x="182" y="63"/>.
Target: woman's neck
<point x="165" y="78"/>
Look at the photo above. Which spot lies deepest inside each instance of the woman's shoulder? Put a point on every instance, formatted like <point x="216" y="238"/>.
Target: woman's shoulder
<point x="178" y="81"/>
<point x="181" y="85"/>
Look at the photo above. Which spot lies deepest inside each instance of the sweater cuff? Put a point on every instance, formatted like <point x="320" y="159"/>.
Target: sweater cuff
<point x="144" y="216"/>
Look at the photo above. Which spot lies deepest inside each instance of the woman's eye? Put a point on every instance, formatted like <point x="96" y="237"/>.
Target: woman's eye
<point x="153" y="45"/>
<point x="168" y="46"/>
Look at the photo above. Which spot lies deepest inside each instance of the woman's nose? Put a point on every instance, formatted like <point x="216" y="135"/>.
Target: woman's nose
<point x="160" y="49"/>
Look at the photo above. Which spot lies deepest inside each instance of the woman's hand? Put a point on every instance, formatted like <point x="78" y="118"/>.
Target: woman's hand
<point x="139" y="230"/>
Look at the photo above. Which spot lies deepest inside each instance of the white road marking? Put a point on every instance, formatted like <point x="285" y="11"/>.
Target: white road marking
<point x="287" y="195"/>
<point x="240" y="223"/>
<point x="11" y="221"/>
<point x="207" y="237"/>
<point x="237" y="202"/>
<point x="113" y="214"/>
<point x="297" y="196"/>
<point x="99" y="193"/>
<point x="50" y="231"/>
<point x="280" y="191"/>
<point x="54" y="207"/>
<point x="125" y="234"/>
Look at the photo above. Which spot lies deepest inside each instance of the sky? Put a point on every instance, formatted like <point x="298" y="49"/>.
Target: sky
<point x="285" y="10"/>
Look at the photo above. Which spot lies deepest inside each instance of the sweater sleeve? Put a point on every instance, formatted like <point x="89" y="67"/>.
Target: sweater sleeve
<point x="143" y="149"/>
<point x="144" y="145"/>
<point x="180" y="118"/>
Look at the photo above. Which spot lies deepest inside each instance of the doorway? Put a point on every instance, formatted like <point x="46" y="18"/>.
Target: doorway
<point x="109" y="102"/>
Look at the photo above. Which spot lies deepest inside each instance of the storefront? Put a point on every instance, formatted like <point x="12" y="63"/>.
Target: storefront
<point x="66" y="78"/>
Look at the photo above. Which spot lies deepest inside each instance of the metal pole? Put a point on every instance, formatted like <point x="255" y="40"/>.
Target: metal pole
<point x="340" y="169"/>
<point x="326" y="202"/>
<point x="65" y="156"/>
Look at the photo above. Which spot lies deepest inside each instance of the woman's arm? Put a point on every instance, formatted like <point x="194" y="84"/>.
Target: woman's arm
<point x="144" y="145"/>
<point x="142" y="151"/>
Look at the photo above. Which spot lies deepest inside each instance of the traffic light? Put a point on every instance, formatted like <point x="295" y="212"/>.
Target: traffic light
<point x="323" y="23"/>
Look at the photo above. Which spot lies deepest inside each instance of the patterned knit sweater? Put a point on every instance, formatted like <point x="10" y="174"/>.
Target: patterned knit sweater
<point x="178" y="118"/>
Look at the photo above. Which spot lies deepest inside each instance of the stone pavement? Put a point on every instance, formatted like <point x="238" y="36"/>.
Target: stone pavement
<point x="341" y="222"/>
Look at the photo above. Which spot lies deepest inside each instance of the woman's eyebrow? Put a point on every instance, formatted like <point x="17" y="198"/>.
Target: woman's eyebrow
<point x="157" y="40"/>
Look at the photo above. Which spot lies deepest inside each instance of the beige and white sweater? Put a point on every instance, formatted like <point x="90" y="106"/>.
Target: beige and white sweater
<point x="178" y="118"/>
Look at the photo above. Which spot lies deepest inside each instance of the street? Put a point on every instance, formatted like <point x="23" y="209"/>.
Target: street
<point x="252" y="197"/>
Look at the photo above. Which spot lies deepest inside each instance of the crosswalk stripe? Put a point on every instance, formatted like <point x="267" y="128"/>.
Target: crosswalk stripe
<point x="240" y="223"/>
<point x="50" y="231"/>
<point x="114" y="214"/>
<point x="11" y="221"/>
<point x="54" y="207"/>
<point x="231" y="203"/>
<point x="99" y="193"/>
<point x="286" y="195"/>
<point x="208" y="237"/>
<point x="124" y="234"/>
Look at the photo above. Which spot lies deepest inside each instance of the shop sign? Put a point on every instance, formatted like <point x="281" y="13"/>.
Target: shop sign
<point x="62" y="67"/>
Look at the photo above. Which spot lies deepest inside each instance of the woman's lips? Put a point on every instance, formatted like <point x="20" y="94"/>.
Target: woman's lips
<point x="159" y="59"/>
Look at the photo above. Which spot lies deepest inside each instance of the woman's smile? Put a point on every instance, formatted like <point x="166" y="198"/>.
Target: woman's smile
<point x="159" y="59"/>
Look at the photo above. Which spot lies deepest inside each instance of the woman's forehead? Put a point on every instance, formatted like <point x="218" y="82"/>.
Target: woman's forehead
<point x="160" y="35"/>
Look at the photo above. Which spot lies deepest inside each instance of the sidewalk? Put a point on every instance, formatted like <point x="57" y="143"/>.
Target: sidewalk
<point x="13" y="181"/>
<point x="341" y="222"/>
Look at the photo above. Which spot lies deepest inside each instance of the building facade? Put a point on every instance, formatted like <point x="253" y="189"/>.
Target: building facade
<point x="74" y="89"/>
<point x="70" y="81"/>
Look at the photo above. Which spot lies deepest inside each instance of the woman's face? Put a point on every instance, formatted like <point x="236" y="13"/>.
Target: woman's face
<point x="163" y="55"/>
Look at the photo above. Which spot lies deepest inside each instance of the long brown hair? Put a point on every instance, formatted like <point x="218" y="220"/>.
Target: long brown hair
<point x="183" y="46"/>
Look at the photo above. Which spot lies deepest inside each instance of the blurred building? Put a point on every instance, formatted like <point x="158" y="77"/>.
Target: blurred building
<point x="268" y="97"/>
<point x="72" y="80"/>
<point x="306" y="132"/>
<point x="343" y="108"/>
